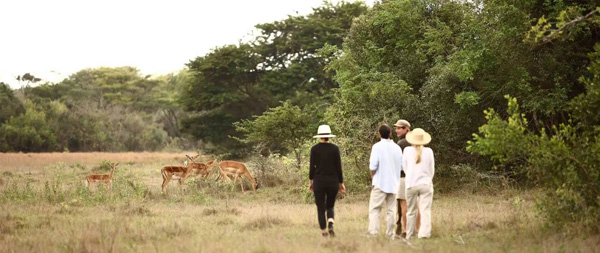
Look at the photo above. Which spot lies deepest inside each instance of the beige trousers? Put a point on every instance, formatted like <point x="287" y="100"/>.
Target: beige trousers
<point x="376" y="203"/>
<point x="423" y="194"/>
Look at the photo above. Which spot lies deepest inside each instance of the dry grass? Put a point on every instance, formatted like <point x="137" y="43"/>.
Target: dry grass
<point x="62" y="216"/>
<point x="32" y="161"/>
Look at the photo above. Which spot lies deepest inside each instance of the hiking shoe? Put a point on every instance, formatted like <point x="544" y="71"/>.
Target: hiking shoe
<point x="325" y="234"/>
<point x="330" y="227"/>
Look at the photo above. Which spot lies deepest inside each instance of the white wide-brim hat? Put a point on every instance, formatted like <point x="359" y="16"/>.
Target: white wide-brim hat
<point x="418" y="136"/>
<point x="324" y="131"/>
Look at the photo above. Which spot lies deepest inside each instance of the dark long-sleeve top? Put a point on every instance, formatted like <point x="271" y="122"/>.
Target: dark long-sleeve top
<point x="325" y="163"/>
<point x="403" y="143"/>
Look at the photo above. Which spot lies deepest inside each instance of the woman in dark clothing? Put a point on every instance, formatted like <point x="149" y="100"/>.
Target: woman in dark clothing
<point x="326" y="177"/>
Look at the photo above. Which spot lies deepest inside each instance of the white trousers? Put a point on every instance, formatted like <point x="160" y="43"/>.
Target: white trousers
<point x="423" y="194"/>
<point x="376" y="203"/>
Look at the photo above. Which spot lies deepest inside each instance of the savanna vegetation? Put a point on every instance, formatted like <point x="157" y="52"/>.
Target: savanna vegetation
<point x="509" y="90"/>
<point x="46" y="207"/>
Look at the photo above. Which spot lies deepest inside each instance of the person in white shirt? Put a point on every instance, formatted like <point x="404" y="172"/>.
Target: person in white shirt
<point x="419" y="165"/>
<point x="385" y="165"/>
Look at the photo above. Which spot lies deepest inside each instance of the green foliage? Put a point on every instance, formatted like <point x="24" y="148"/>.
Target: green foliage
<point x="110" y="109"/>
<point x="502" y="139"/>
<point x="459" y="58"/>
<point x="564" y="164"/>
<point x="235" y="82"/>
<point x="11" y="106"/>
<point x="470" y="179"/>
<point x="466" y="99"/>
<point x="567" y="165"/>
<point x="108" y="86"/>
<point x="586" y="106"/>
<point x="564" y="22"/>
<point x="27" y="132"/>
<point x="280" y="129"/>
<point x="363" y="102"/>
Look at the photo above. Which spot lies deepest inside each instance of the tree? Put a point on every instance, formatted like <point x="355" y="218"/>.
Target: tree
<point x="281" y="129"/>
<point x="234" y="82"/>
<point x="109" y="86"/>
<point x="11" y="106"/>
<point x="563" y="157"/>
<point x="461" y="57"/>
<point x="108" y="109"/>
<point x="28" y="132"/>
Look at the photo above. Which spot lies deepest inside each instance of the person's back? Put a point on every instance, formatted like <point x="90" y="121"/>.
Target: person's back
<point x="418" y="173"/>
<point x="325" y="157"/>
<point x="386" y="159"/>
<point x="385" y="165"/>
<point x="419" y="165"/>
<point x="325" y="178"/>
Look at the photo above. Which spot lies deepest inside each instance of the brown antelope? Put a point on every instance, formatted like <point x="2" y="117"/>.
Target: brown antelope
<point x="236" y="171"/>
<point x="206" y="171"/>
<point x="102" y="178"/>
<point x="182" y="172"/>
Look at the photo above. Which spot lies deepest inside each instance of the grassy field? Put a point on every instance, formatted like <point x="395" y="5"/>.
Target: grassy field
<point x="45" y="207"/>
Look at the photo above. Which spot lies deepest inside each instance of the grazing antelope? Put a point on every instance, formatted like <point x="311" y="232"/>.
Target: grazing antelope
<point x="182" y="172"/>
<point x="102" y="178"/>
<point x="206" y="171"/>
<point x="236" y="171"/>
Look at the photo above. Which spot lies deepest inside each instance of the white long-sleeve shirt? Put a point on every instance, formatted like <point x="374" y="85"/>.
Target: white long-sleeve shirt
<point x="386" y="161"/>
<point x="421" y="173"/>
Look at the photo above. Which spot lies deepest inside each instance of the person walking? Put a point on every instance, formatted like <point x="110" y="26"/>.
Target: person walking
<point x="325" y="178"/>
<point x="402" y="127"/>
<point x="385" y="165"/>
<point x="419" y="164"/>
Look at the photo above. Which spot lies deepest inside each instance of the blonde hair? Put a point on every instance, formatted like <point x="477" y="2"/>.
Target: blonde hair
<point x="419" y="149"/>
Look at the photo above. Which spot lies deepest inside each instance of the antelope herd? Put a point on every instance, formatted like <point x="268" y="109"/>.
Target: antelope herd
<point x="228" y="171"/>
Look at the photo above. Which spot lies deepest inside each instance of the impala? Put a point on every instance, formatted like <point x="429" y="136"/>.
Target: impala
<point x="102" y="178"/>
<point x="236" y="171"/>
<point x="181" y="172"/>
<point x="205" y="171"/>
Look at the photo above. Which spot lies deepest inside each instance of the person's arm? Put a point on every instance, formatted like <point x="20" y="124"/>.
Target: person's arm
<point x="373" y="162"/>
<point x="400" y="158"/>
<point x="338" y="165"/>
<point x="432" y="164"/>
<point x="312" y="164"/>
<point x="311" y="169"/>
<point x="404" y="161"/>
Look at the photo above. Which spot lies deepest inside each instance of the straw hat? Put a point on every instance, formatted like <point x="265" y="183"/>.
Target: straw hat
<point x="324" y="132"/>
<point x="418" y="136"/>
<point x="402" y="123"/>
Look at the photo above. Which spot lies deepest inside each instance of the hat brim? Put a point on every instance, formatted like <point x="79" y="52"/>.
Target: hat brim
<point x="411" y="139"/>
<point x="324" y="136"/>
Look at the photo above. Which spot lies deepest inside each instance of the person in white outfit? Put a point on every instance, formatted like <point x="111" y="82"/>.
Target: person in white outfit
<point x="385" y="165"/>
<point x="419" y="165"/>
<point x="402" y="128"/>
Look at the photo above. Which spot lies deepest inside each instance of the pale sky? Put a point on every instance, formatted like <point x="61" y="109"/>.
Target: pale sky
<point x="52" y="39"/>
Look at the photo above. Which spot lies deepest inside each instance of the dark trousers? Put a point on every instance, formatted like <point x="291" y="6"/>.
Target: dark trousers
<point x="325" y="193"/>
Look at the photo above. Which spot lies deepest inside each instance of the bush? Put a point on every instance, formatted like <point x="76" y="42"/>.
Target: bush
<point x="463" y="178"/>
<point x="566" y="164"/>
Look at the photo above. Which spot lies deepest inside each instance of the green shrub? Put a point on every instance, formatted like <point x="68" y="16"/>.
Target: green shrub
<point x="566" y="164"/>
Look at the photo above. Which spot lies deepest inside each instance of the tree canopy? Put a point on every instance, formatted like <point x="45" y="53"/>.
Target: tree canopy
<point x="234" y="82"/>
